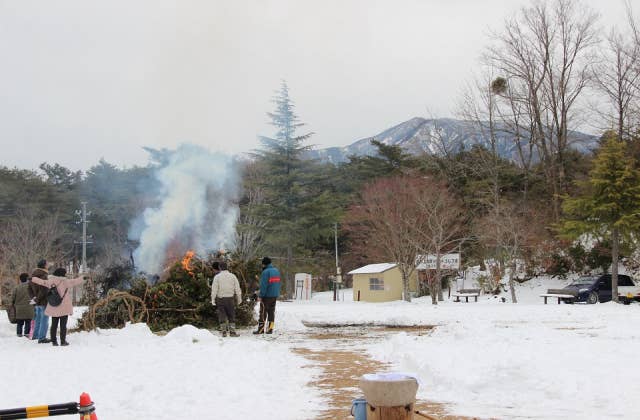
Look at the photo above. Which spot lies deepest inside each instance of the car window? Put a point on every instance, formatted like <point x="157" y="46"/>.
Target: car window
<point x="584" y="281"/>
<point x="605" y="282"/>
<point x="625" y="281"/>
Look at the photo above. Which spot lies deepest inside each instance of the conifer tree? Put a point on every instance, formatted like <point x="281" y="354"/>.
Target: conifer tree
<point x="284" y="180"/>
<point x="609" y="205"/>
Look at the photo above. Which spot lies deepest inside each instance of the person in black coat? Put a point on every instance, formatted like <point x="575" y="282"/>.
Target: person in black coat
<point x="22" y="299"/>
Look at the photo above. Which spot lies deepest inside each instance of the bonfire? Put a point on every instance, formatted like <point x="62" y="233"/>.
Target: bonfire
<point x="183" y="296"/>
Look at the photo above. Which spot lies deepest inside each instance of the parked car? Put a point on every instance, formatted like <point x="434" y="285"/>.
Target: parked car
<point x="594" y="289"/>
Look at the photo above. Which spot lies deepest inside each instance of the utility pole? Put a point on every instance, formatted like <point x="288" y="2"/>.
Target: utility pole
<point x="83" y="214"/>
<point x="335" y="232"/>
<point x="338" y="281"/>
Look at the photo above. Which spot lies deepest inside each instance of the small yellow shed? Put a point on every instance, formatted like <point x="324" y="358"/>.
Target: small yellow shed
<point x="379" y="283"/>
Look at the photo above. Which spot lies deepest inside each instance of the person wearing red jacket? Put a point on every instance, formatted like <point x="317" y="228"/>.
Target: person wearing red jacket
<point x="269" y="292"/>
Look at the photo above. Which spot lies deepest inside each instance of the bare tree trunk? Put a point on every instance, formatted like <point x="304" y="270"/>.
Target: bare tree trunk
<point x="439" y="281"/>
<point x="405" y="284"/>
<point x="615" y="252"/>
<point x="512" y="283"/>
<point x="433" y="290"/>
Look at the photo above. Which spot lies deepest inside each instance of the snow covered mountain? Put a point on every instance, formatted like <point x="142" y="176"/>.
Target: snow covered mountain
<point x="435" y="136"/>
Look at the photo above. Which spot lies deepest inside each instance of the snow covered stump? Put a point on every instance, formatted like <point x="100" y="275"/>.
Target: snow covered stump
<point x="390" y="396"/>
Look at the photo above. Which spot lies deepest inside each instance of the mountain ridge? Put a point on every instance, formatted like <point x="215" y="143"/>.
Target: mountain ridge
<point x="436" y="136"/>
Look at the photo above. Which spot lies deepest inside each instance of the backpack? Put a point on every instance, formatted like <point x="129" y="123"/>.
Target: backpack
<point x="53" y="297"/>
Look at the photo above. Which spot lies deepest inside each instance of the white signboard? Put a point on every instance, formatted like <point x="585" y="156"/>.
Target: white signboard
<point x="447" y="262"/>
<point x="303" y="286"/>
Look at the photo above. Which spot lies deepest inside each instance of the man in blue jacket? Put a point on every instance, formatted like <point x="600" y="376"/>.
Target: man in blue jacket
<point x="269" y="292"/>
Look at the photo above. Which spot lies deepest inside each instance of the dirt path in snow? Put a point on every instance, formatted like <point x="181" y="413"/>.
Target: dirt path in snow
<point x="341" y="357"/>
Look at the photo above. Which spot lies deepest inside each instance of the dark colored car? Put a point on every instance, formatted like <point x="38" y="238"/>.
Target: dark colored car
<point x="594" y="289"/>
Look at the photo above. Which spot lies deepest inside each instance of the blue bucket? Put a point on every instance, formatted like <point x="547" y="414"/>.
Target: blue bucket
<point x="359" y="409"/>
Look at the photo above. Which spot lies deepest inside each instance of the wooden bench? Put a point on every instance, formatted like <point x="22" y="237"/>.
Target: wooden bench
<point x="466" y="294"/>
<point x="560" y="294"/>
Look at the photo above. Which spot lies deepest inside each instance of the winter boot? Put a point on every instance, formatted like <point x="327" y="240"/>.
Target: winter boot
<point x="64" y="343"/>
<point x="260" y="329"/>
<point x="54" y="342"/>
<point x="224" y="327"/>
<point x="271" y="326"/>
<point x="232" y="330"/>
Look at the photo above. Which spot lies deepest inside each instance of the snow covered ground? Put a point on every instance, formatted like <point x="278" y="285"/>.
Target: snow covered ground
<point x="487" y="359"/>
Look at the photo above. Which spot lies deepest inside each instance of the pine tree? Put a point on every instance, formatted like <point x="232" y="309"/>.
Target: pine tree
<point x="609" y="205"/>
<point x="284" y="182"/>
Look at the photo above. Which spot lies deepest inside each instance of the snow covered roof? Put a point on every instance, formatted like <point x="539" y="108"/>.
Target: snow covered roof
<point x="373" y="268"/>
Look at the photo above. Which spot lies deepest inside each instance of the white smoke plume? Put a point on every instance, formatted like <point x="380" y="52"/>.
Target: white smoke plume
<point x="197" y="207"/>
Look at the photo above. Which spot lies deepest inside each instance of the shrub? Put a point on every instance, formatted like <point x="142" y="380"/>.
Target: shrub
<point x="599" y="257"/>
<point x="578" y="256"/>
<point x="558" y="265"/>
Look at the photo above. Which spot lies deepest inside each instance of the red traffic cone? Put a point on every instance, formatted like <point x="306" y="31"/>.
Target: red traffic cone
<point x="87" y="410"/>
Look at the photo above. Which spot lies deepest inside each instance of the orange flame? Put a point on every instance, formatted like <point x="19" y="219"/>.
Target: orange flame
<point x="186" y="262"/>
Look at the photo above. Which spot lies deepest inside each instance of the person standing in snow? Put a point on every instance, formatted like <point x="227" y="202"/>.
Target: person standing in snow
<point x="60" y="313"/>
<point x="269" y="292"/>
<point x="21" y="299"/>
<point x="225" y="292"/>
<point x="215" y="267"/>
<point x="40" y="295"/>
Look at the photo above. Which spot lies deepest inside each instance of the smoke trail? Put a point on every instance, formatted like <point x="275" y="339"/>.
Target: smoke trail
<point x="198" y="206"/>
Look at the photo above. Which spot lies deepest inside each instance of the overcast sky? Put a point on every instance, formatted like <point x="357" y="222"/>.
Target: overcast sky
<point x="81" y="80"/>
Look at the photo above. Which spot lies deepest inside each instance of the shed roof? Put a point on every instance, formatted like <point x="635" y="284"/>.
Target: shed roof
<point x="373" y="268"/>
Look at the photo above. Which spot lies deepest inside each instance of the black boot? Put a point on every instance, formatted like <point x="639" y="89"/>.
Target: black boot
<point x="260" y="329"/>
<point x="54" y="342"/>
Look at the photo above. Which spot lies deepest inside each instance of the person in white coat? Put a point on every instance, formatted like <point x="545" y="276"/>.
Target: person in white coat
<point x="225" y="293"/>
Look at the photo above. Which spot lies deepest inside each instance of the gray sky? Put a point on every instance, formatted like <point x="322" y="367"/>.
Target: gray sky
<point x="81" y="80"/>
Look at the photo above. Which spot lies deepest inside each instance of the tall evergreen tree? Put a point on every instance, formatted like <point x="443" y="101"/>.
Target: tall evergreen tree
<point x="285" y="181"/>
<point x="609" y="205"/>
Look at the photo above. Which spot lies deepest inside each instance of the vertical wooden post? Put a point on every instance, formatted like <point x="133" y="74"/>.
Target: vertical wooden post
<point x="390" y="413"/>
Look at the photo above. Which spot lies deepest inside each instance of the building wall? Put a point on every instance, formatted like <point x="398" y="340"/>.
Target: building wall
<point x="392" y="286"/>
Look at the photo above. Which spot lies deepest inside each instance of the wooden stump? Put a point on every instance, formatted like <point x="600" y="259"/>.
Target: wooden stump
<point x="390" y="413"/>
<point x="389" y="396"/>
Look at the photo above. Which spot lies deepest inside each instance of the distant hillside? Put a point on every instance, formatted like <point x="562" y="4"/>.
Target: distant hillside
<point x="435" y="136"/>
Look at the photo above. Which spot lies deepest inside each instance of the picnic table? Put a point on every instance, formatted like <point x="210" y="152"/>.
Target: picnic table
<point x="560" y="294"/>
<point x="466" y="294"/>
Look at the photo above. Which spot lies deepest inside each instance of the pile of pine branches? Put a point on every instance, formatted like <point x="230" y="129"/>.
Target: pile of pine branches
<point x="184" y="297"/>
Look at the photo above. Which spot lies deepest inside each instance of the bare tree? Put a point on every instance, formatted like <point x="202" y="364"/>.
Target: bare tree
<point x="384" y="223"/>
<point x="440" y="228"/>
<point x="27" y="238"/>
<point x="479" y="106"/>
<point x="544" y="53"/>
<point x="249" y="241"/>
<point x="618" y="76"/>
<point x="507" y="231"/>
